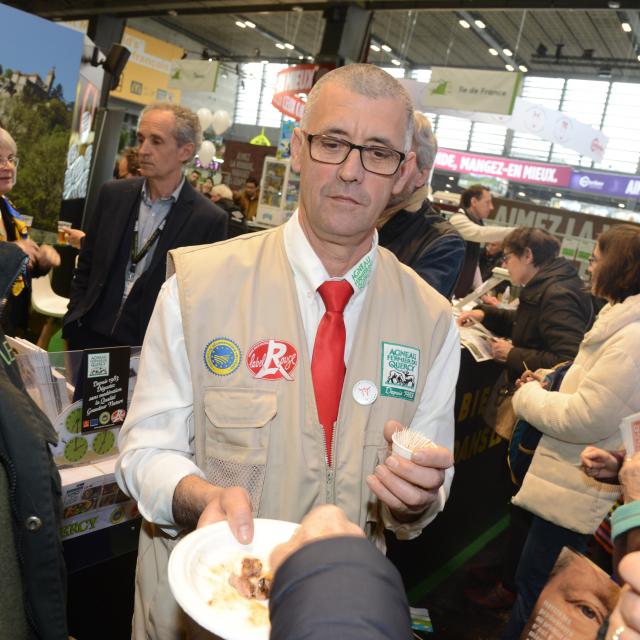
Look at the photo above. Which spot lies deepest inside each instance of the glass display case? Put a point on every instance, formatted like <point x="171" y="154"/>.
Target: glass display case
<point x="279" y="189"/>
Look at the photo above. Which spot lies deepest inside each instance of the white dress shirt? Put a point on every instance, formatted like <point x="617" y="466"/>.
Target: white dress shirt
<point x="156" y="441"/>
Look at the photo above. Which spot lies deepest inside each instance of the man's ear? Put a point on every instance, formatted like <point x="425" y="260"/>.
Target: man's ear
<point x="186" y="152"/>
<point x="407" y="168"/>
<point x="297" y="142"/>
<point x="422" y="175"/>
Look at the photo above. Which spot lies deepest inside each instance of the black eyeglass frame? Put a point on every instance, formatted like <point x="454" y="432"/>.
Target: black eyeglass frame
<point x="352" y="146"/>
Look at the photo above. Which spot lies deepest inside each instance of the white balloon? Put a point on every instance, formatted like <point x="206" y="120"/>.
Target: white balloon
<point x="221" y="121"/>
<point x="207" y="152"/>
<point x="204" y="115"/>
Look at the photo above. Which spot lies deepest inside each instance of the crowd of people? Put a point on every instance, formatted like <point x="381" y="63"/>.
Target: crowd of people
<point x="277" y="366"/>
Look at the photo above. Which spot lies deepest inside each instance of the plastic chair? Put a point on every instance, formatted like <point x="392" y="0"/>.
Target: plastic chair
<point x="45" y="301"/>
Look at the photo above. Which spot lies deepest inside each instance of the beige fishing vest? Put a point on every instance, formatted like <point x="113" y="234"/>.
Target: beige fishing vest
<point x="239" y="303"/>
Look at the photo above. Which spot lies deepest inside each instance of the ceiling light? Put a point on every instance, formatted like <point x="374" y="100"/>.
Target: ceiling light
<point x="614" y="5"/>
<point x="300" y="57"/>
<point x="289" y="46"/>
<point x="374" y="47"/>
<point x="279" y="45"/>
<point x="558" y="194"/>
<point x="264" y="61"/>
<point x="626" y="27"/>
<point x="464" y="24"/>
<point x="523" y="68"/>
<point x="173" y="13"/>
<point x="448" y="186"/>
<point x="522" y="194"/>
<point x="480" y="24"/>
<point x="310" y="58"/>
<point x="507" y="52"/>
<point x="451" y="178"/>
<point x="509" y="67"/>
<point x="493" y="51"/>
<point x="241" y="24"/>
<point x="638" y="57"/>
<point x="210" y="59"/>
<point x="250" y="24"/>
<point x="396" y="62"/>
<point x="621" y="205"/>
<point x="386" y="47"/>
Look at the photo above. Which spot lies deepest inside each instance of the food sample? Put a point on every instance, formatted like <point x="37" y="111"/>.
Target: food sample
<point x="252" y="582"/>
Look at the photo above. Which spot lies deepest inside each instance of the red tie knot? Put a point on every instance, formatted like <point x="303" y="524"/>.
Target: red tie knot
<point x="335" y="294"/>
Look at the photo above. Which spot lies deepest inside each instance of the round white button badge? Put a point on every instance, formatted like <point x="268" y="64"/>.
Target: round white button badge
<point x="365" y="392"/>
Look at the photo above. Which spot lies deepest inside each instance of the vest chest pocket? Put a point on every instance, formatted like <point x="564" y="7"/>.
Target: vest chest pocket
<point x="237" y="438"/>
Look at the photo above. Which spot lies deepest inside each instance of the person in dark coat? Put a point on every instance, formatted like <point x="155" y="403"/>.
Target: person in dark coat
<point x="330" y="581"/>
<point x="547" y="328"/>
<point x="413" y="229"/>
<point x="122" y="263"/>
<point x="32" y="574"/>
<point x="554" y="312"/>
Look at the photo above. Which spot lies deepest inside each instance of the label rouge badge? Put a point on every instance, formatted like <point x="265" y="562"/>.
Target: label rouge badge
<point x="272" y="360"/>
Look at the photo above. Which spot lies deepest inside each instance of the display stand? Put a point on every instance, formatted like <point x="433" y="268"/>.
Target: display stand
<point x="279" y="192"/>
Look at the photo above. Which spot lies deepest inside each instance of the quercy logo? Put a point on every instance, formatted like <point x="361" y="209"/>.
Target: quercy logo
<point x="272" y="360"/>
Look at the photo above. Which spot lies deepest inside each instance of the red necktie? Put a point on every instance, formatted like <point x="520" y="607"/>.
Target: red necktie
<point x="327" y="363"/>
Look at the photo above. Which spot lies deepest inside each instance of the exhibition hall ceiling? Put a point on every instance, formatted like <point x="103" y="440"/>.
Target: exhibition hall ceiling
<point x="594" y="39"/>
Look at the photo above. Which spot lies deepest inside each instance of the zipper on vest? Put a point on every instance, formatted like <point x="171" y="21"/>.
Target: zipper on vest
<point x="330" y="488"/>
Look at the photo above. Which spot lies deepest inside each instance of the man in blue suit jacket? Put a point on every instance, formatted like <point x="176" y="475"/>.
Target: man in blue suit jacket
<point x="122" y="263"/>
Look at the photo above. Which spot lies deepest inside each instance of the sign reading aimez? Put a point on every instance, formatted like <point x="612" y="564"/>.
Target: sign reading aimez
<point x="518" y="170"/>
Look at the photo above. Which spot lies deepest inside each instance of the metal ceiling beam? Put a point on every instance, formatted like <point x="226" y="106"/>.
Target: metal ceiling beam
<point x="60" y="9"/>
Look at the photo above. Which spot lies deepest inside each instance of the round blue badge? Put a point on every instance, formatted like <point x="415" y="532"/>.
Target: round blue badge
<point x="222" y="356"/>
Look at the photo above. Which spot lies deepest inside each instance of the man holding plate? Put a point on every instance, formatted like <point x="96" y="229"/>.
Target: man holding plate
<point x="277" y="365"/>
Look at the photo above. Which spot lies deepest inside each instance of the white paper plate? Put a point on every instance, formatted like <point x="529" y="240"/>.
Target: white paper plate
<point x="199" y="569"/>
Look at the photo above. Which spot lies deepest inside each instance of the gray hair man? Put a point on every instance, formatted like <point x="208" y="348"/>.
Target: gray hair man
<point x="280" y="342"/>
<point x="413" y="229"/>
<point x="135" y="222"/>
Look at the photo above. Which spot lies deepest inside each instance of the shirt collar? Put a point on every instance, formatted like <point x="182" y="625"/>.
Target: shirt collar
<point x="171" y="198"/>
<point x="307" y="266"/>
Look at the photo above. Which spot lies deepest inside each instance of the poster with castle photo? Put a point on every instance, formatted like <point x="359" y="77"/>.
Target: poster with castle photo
<point x="39" y="65"/>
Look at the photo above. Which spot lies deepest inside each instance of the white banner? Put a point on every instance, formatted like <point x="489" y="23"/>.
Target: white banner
<point x="528" y="117"/>
<point x="486" y="91"/>
<point x="193" y="75"/>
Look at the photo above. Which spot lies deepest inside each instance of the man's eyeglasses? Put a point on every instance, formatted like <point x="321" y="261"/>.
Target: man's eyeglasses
<point x="329" y="150"/>
<point x="11" y="161"/>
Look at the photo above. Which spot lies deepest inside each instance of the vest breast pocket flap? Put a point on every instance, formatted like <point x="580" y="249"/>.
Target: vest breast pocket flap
<point x="240" y="417"/>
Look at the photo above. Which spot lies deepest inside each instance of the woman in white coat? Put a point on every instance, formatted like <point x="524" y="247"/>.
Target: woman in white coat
<point x="601" y="387"/>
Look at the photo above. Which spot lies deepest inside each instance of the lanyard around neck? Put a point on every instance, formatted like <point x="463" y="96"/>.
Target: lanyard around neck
<point x="136" y="255"/>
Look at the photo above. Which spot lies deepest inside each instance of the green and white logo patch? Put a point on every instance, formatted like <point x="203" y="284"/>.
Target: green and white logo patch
<point x="399" y="371"/>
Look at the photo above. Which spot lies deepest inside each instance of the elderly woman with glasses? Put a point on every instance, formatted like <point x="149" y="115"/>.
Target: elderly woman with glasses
<point x="554" y="310"/>
<point x="13" y="228"/>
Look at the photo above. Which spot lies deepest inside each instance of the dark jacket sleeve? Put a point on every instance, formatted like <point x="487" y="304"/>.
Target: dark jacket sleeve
<point x="440" y="264"/>
<point x="218" y="220"/>
<point x="498" y="321"/>
<point x="82" y="273"/>
<point x="562" y="326"/>
<point x="338" y="588"/>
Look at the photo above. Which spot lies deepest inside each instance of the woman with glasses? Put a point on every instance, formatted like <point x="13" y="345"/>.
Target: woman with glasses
<point x="600" y="388"/>
<point x="553" y="313"/>
<point x="14" y="315"/>
<point x="554" y="310"/>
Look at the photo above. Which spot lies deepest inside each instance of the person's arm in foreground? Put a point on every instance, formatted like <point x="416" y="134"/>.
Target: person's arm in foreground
<point x="331" y="582"/>
<point x="473" y="232"/>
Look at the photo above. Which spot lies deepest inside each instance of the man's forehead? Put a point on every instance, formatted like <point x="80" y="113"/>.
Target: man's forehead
<point x="339" y="110"/>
